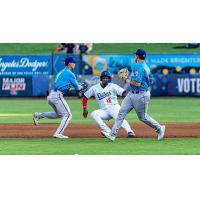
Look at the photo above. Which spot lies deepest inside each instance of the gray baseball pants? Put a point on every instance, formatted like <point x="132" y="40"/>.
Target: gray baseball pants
<point x="140" y="103"/>
<point x="61" y="108"/>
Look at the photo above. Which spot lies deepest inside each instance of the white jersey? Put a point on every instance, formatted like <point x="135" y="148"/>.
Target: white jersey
<point x="105" y="96"/>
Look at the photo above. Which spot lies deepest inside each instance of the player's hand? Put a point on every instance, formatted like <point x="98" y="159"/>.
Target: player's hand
<point x="85" y="112"/>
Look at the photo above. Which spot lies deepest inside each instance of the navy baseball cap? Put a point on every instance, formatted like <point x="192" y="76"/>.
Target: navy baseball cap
<point x="70" y="59"/>
<point x="105" y="73"/>
<point x="141" y="53"/>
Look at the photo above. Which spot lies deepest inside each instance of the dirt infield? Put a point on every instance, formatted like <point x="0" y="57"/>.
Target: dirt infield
<point x="90" y="131"/>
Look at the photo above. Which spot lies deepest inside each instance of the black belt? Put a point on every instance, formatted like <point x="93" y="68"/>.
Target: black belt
<point x="137" y="92"/>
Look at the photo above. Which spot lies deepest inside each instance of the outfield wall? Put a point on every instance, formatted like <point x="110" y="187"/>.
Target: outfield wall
<point x="33" y="75"/>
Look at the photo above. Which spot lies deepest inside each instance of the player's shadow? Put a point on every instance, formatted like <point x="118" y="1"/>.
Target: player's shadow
<point x="187" y="46"/>
<point x="180" y="47"/>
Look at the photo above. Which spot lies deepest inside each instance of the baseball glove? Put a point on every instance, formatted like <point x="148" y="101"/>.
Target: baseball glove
<point x="123" y="74"/>
<point x="84" y="87"/>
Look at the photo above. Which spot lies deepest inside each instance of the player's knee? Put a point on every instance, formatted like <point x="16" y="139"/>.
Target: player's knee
<point x="68" y="115"/>
<point x="94" y="114"/>
<point x="142" y="117"/>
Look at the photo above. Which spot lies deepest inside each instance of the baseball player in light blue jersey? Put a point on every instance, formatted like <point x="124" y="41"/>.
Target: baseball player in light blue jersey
<point x="137" y="98"/>
<point x="64" y="80"/>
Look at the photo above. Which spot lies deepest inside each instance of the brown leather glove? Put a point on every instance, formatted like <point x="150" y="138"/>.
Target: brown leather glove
<point x="123" y="74"/>
<point x="85" y="112"/>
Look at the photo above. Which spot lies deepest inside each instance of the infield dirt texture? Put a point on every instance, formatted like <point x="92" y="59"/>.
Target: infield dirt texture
<point x="173" y="130"/>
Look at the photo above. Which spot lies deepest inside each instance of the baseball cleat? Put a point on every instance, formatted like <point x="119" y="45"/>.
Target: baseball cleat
<point x="36" y="119"/>
<point x="131" y="134"/>
<point x="161" y="132"/>
<point x="103" y="133"/>
<point x="111" y="137"/>
<point x="108" y="135"/>
<point x="60" y="136"/>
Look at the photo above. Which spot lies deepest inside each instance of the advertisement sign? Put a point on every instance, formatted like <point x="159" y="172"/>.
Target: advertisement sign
<point x="184" y="85"/>
<point x="173" y="63"/>
<point x="25" y="65"/>
<point x="15" y="86"/>
<point x="95" y="64"/>
<point x="173" y="60"/>
<point x="58" y="63"/>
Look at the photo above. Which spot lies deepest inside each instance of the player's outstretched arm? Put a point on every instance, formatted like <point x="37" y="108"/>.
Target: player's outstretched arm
<point x="84" y="105"/>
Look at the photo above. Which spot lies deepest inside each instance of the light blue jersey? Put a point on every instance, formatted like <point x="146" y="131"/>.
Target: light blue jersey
<point x="64" y="80"/>
<point x="141" y="74"/>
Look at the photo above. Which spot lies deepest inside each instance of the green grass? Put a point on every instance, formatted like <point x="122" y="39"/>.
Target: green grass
<point x="27" y="48"/>
<point x="47" y="48"/>
<point x="149" y="47"/>
<point x="162" y="109"/>
<point x="100" y="146"/>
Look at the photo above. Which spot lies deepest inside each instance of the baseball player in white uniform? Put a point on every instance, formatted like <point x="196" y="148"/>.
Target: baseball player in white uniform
<point x="105" y="94"/>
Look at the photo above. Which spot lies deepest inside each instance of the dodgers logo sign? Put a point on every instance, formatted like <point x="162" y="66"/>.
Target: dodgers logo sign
<point x="25" y="65"/>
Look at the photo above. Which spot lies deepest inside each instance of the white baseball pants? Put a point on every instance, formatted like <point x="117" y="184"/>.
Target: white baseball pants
<point x="99" y="115"/>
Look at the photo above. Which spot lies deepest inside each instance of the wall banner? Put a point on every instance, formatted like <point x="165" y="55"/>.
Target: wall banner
<point x="25" y="65"/>
<point x="184" y="85"/>
<point x="16" y="86"/>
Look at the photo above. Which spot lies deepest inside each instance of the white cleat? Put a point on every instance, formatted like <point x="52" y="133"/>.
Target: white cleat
<point x="131" y="134"/>
<point x="108" y="135"/>
<point x="36" y="119"/>
<point x="161" y="132"/>
<point x="60" y="136"/>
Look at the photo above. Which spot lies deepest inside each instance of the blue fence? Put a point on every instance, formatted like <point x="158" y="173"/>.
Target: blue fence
<point x="40" y="85"/>
<point x="28" y="75"/>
